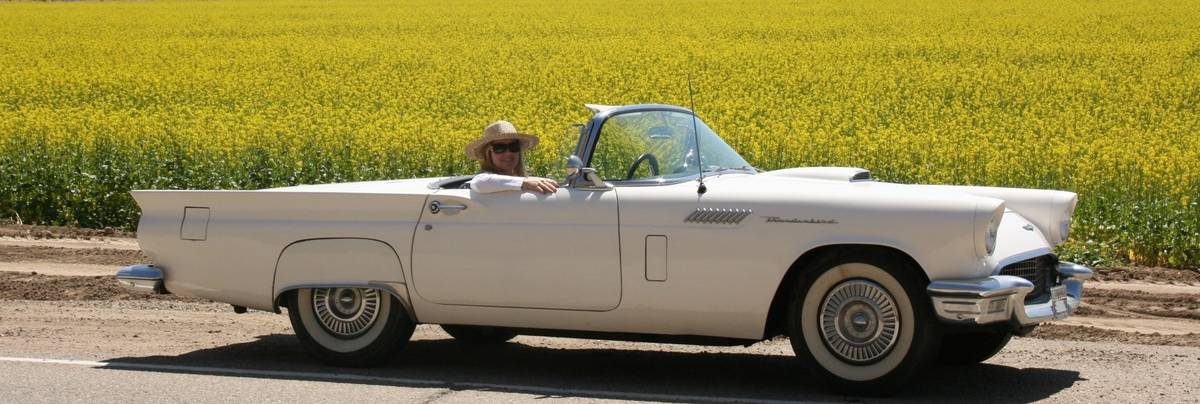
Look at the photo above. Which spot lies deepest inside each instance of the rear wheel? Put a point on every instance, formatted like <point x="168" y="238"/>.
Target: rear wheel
<point x="473" y="334"/>
<point x="862" y="322"/>
<point x="353" y="327"/>
<point x="971" y="348"/>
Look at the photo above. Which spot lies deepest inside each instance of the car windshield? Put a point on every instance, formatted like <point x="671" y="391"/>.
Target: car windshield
<point x="660" y="145"/>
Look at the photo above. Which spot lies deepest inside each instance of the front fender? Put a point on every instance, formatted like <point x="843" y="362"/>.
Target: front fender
<point x="1018" y="239"/>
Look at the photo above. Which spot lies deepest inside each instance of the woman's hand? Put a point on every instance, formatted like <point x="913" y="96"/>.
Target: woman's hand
<point x="539" y="184"/>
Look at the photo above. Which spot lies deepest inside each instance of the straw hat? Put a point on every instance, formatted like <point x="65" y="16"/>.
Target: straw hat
<point x="499" y="130"/>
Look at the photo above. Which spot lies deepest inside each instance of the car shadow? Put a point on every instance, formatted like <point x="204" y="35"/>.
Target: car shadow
<point x="595" y="373"/>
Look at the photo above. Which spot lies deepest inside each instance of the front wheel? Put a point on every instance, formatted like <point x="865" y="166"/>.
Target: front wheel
<point x="352" y="327"/>
<point x="863" y="323"/>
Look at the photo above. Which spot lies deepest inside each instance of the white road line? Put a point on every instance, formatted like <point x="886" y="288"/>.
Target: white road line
<point x="550" y="391"/>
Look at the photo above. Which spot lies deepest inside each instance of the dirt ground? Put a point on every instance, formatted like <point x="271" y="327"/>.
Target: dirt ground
<point x="70" y="255"/>
<point x="59" y="232"/>
<point x="1153" y="306"/>
<point x="1149" y="274"/>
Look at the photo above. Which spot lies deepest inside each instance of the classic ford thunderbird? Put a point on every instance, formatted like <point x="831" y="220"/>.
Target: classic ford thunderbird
<point x="660" y="232"/>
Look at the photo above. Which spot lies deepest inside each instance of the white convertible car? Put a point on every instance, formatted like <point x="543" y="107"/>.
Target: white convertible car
<point x="661" y="232"/>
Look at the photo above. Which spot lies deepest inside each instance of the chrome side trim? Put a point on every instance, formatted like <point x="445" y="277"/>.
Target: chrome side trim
<point x="718" y="216"/>
<point x="142" y="276"/>
<point x="1002" y="298"/>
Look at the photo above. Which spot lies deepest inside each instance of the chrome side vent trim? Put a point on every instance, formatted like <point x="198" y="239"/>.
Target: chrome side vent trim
<point x="718" y="216"/>
<point x="862" y="176"/>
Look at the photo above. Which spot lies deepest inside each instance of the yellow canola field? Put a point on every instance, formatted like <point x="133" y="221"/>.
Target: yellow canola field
<point x="1095" y="97"/>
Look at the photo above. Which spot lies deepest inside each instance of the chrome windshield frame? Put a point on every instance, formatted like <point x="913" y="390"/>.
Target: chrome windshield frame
<point x="587" y="145"/>
<point x="584" y="149"/>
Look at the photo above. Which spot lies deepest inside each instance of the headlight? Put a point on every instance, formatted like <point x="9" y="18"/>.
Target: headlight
<point x="1065" y="203"/>
<point x="987" y="227"/>
<point x="1064" y="227"/>
<point x="989" y="239"/>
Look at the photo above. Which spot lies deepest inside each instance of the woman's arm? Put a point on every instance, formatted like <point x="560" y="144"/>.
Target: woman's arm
<point x="486" y="183"/>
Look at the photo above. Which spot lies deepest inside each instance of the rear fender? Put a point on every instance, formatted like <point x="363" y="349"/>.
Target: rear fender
<point x="340" y="262"/>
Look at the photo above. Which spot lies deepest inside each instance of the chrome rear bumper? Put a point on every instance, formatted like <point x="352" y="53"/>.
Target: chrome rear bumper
<point x="1002" y="298"/>
<point x="147" y="277"/>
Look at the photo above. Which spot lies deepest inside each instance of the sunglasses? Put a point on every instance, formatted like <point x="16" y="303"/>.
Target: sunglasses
<point x="514" y="147"/>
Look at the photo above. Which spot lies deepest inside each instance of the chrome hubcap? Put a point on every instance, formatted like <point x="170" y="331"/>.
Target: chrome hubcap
<point x="859" y="321"/>
<point x="346" y="312"/>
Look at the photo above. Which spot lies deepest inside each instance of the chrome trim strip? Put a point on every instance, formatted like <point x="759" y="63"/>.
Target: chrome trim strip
<point x="718" y="216"/>
<point x="142" y="276"/>
<point x="978" y="301"/>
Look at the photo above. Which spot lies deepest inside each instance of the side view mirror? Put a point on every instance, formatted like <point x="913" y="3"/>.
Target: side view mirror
<point x="590" y="179"/>
<point x="591" y="176"/>
<point x="574" y="163"/>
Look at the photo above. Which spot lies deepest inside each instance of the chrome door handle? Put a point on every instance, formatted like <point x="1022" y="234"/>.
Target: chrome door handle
<point x="438" y="206"/>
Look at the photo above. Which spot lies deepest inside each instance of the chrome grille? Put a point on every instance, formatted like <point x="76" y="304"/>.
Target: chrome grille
<point x="1025" y="269"/>
<point x="1041" y="271"/>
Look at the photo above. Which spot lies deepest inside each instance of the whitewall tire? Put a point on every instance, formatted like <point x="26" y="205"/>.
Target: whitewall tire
<point x="353" y="327"/>
<point x="863" y="322"/>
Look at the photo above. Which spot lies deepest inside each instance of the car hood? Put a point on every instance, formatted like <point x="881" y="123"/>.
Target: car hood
<point x="1049" y="210"/>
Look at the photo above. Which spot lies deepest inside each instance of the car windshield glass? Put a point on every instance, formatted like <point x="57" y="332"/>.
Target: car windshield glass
<point x="650" y="145"/>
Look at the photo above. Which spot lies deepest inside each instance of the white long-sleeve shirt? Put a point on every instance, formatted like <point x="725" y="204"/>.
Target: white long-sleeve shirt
<point x="486" y="183"/>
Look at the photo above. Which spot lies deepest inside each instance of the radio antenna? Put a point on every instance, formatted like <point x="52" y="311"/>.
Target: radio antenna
<point x="696" y="135"/>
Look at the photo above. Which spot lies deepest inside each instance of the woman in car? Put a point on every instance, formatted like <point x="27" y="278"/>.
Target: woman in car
<point x="500" y="152"/>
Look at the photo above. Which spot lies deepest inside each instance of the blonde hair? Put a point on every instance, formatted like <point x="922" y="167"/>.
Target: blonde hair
<point x="487" y="165"/>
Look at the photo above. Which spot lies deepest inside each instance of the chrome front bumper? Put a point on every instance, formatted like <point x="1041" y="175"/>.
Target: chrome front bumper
<point x="1002" y="298"/>
<point x="147" y="277"/>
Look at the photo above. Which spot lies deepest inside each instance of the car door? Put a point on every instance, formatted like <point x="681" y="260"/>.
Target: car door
<point x="685" y="248"/>
<point x="649" y="157"/>
<point x="519" y="249"/>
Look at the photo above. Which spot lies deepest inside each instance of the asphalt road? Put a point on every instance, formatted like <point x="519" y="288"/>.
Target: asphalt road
<point x="257" y="360"/>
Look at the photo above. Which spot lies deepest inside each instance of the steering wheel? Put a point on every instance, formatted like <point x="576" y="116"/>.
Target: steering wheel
<point x="644" y="157"/>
